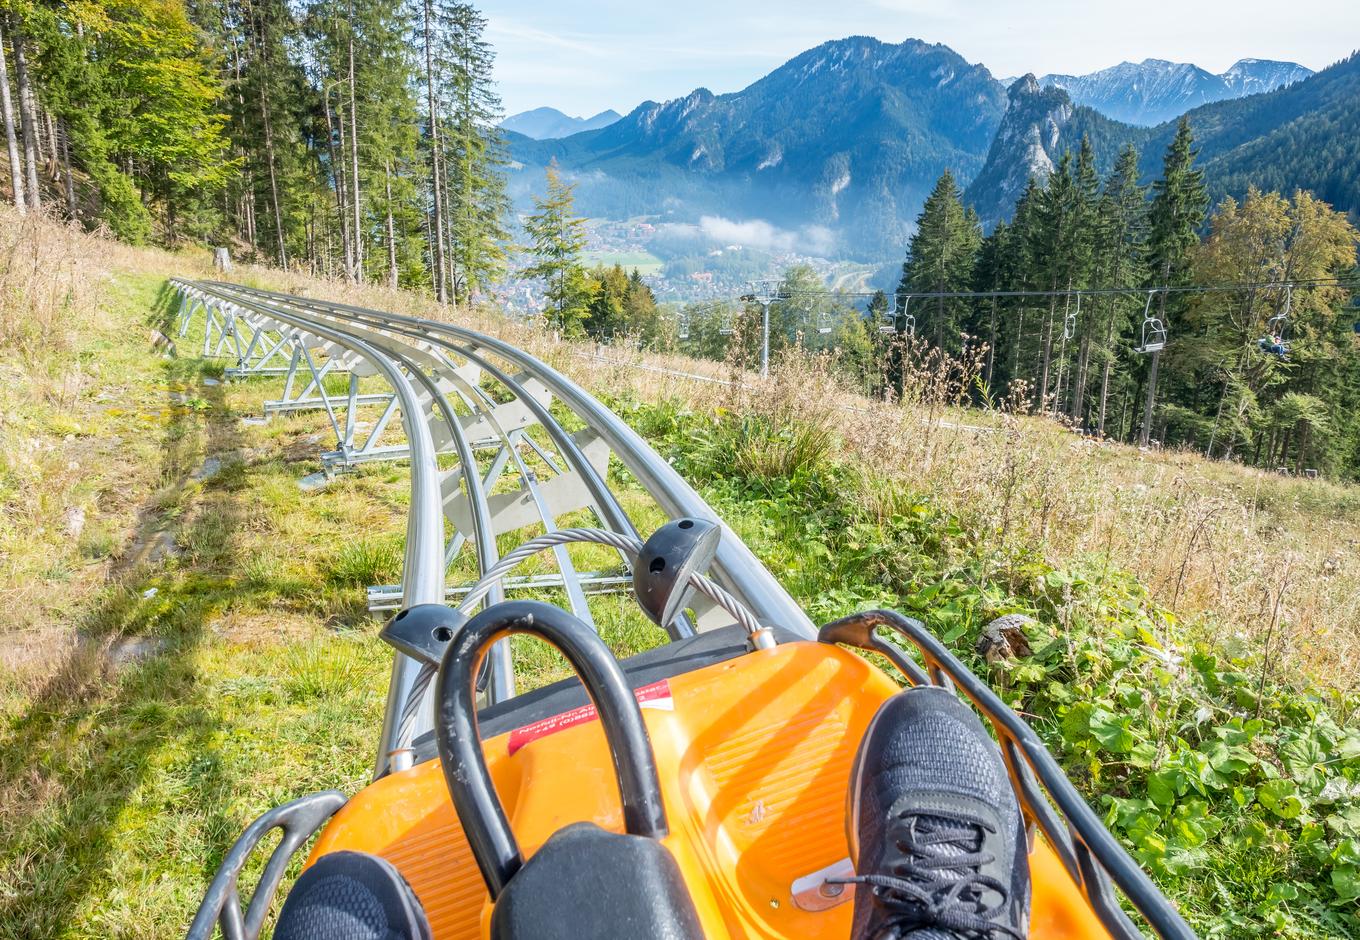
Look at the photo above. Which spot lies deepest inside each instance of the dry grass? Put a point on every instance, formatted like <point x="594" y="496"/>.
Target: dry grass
<point x="1244" y="556"/>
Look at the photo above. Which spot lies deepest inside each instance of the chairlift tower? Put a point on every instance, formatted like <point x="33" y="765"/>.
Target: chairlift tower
<point x="766" y="293"/>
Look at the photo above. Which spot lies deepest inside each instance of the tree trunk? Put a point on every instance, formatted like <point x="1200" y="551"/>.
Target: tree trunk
<point x="450" y="264"/>
<point x="273" y="173"/>
<point x="71" y="206"/>
<point x="338" y="177"/>
<point x="939" y="319"/>
<point x="1047" y="357"/>
<point x="1108" y="365"/>
<point x="355" y="195"/>
<point x="33" y="193"/>
<point x="53" y="160"/>
<point x="1077" y="405"/>
<point x="437" y="224"/>
<point x="991" y="346"/>
<point x="391" y="232"/>
<point x="1151" y="398"/>
<point x="16" y="173"/>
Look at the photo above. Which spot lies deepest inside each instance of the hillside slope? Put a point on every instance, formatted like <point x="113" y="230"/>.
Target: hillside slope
<point x="1305" y="136"/>
<point x="201" y="651"/>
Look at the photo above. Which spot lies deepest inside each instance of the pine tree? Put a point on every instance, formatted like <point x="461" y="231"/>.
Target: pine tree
<point x="1054" y="241"/>
<point x="991" y="274"/>
<point x="1179" y="203"/>
<point x="1085" y="266"/>
<point x="557" y="237"/>
<point x="473" y="156"/>
<point x="940" y="259"/>
<point x="1021" y="270"/>
<point x="1120" y="236"/>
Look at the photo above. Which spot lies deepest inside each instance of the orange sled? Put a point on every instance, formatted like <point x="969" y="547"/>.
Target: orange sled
<point x="701" y="785"/>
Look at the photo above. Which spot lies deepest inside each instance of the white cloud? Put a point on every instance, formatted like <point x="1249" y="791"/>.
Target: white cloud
<point x="756" y="233"/>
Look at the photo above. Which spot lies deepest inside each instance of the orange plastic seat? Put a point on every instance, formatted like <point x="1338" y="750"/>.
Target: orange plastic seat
<point x="754" y="756"/>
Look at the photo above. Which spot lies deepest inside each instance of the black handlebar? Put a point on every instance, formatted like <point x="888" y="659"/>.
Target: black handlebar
<point x="474" y="796"/>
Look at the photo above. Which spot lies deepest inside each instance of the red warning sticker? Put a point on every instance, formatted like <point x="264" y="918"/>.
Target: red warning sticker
<point x="657" y="696"/>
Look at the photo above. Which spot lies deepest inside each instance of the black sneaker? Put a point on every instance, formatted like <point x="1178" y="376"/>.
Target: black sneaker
<point x="352" y="896"/>
<point x="934" y="827"/>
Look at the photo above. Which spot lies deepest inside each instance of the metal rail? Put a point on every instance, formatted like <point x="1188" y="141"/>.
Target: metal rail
<point x="499" y="413"/>
<point x="513" y="468"/>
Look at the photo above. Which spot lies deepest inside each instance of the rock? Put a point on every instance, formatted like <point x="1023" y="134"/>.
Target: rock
<point x="134" y="649"/>
<point x="314" y="481"/>
<point x="162" y="343"/>
<point x="209" y="469"/>
<point x="1004" y="639"/>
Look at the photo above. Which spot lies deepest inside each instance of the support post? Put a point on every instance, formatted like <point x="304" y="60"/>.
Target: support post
<point x="765" y="340"/>
<point x="1151" y="398"/>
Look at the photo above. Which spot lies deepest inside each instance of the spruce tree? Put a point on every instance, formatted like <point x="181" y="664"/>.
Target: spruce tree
<point x="1179" y="203"/>
<point x="1121" y="234"/>
<point x="940" y="258"/>
<point x="472" y="158"/>
<point x="557" y="237"/>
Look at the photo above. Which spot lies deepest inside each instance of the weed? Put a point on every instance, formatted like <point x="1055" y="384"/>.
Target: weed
<point x="367" y="561"/>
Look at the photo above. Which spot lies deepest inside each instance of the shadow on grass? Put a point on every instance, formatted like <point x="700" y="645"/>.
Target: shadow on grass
<point x="74" y="764"/>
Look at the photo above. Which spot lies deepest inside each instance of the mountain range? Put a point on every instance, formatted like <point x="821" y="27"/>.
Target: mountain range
<point x="1155" y="90"/>
<point x="1304" y="135"/>
<point x="834" y="152"/>
<point x="547" y="123"/>
<point x="847" y="137"/>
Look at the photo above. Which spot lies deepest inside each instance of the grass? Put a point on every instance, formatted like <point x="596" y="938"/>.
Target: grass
<point x="141" y="729"/>
<point x="645" y="262"/>
<point x="1233" y="785"/>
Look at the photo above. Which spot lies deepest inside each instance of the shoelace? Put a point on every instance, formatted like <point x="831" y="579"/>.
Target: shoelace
<point x="939" y="882"/>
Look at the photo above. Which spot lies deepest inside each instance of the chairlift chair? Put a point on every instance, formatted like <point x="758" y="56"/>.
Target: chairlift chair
<point x="1070" y="322"/>
<point x="889" y="324"/>
<point x="1154" y="332"/>
<point x="1276" y="340"/>
<point x="1154" y="336"/>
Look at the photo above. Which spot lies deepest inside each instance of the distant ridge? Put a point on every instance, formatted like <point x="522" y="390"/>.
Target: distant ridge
<point x="550" y="123"/>
<point x="1155" y="90"/>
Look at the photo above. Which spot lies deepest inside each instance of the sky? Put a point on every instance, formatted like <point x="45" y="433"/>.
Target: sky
<point x="583" y="57"/>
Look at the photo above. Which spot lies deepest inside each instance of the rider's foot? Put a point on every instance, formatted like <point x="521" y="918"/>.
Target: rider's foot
<point x="934" y="827"/>
<point x="353" y="896"/>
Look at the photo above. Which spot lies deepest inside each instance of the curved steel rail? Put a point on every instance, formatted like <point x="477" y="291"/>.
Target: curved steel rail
<point x="461" y="393"/>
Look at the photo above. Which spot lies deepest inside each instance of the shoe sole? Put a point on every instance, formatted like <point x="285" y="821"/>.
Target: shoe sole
<point x="852" y="801"/>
